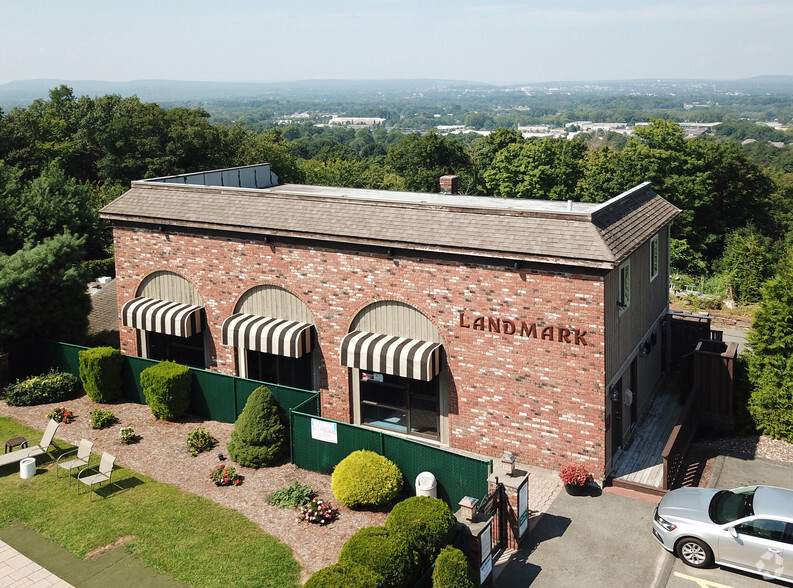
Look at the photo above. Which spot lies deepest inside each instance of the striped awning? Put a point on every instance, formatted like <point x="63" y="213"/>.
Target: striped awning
<point x="162" y="316"/>
<point x="398" y="356"/>
<point x="268" y="335"/>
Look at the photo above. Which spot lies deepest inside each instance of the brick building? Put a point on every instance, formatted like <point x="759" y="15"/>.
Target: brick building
<point x="482" y="324"/>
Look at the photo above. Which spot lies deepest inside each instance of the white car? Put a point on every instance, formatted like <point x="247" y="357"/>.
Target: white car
<point x="748" y="528"/>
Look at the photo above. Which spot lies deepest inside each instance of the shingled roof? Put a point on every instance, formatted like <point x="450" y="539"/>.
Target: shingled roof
<point x="566" y="233"/>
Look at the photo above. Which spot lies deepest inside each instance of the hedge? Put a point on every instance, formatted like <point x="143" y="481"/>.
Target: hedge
<point x="100" y="373"/>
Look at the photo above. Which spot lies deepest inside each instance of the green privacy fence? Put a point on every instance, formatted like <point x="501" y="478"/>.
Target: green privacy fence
<point x="317" y="443"/>
<point x="216" y="396"/>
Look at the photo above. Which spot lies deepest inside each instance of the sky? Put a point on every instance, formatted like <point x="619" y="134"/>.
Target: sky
<point x="499" y="43"/>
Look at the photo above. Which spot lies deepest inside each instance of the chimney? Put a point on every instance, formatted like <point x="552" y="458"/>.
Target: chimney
<point x="449" y="184"/>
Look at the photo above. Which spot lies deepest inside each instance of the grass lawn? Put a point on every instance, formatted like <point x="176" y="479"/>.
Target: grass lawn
<point x="189" y="538"/>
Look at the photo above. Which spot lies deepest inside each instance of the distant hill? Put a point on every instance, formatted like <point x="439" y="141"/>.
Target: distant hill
<point x="23" y="92"/>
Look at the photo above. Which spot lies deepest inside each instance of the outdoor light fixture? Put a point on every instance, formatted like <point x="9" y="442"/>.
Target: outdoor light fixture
<point x="468" y="507"/>
<point x="516" y="265"/>
<point x="614" y="393"/>
<point x="266" y="239"/>
<point x="389" y="253"/>
<point x="221" y="457"/>
<point x="508" y="463"/>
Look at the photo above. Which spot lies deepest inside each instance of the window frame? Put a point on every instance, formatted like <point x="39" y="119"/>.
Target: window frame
<point x="654" y="257"/>
<point x="624" y="277"/>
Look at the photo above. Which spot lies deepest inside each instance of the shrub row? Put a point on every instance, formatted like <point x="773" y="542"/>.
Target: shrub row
<point x="397" y="553"/>
<point x="54" y="386"/>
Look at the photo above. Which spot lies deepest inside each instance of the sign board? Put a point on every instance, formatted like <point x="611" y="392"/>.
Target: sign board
<point x="365" y="377"/>
<point x="485" y="543"/>
<point x="324" y="431"/>
<point x="523" y="507"/>
<point x="485" y="569"/>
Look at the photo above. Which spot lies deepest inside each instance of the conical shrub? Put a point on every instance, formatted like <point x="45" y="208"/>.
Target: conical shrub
<point x="259" y="436"/>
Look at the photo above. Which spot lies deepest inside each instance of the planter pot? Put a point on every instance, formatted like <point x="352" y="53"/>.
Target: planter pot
<point x="574" y="489"/>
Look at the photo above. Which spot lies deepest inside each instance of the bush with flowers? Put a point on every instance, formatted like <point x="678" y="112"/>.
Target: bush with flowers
<point x="317" y="511"/>
<point x="61" y="415"/>
<point x="575" y="474"/>
<point x="127" y="435"/>
<point x="224" y="475"/>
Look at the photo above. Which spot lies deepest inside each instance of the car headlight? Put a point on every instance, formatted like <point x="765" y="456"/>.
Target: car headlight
<point x="663" y="522"/>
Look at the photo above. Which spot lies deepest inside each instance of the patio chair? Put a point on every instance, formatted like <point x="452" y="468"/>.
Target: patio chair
<point x="104" y="473"/>
<point x="44" y="446"/>
<point x="78" y="462"/>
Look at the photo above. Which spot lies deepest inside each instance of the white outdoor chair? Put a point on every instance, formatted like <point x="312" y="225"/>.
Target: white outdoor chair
<point x="44" y="446"/>
<point x="105" y="472"/>
<point x="80" y="461"/>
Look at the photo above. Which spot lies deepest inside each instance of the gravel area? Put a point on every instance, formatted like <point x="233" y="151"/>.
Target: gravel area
<point x="162" y="454"/>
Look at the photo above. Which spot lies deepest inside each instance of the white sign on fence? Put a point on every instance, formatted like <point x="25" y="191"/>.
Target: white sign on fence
<point x="324" y="431"/>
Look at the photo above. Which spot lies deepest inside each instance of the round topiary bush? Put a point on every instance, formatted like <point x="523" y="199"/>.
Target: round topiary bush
<point x="452" y="570"/>
<point x="166" y="387"/>
<point x="364" y="479"/>
<point x="100" y="373"/>
<point x="344" y="575"/>
<point x="427" y="522"/>
<point x="387" y="553"/>
<point x="259" y="436"/>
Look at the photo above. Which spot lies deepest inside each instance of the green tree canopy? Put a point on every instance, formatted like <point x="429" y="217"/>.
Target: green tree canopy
<point x="42" y="291"/>
<point x="422" y="159"/>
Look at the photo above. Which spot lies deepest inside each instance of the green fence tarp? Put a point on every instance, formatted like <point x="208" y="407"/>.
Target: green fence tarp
<point x="313" y="448"/>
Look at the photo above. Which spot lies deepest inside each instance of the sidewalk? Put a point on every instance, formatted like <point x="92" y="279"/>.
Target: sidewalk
<point x="17" y="571"/>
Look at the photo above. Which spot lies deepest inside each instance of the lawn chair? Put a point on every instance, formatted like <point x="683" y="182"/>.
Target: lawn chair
<point x="44" y="446"/>
<point x="104" y="474"/>
<point x="78" y="462"/>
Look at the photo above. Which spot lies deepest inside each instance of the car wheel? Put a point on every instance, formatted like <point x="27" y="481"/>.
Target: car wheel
<point x="694" y="552"/>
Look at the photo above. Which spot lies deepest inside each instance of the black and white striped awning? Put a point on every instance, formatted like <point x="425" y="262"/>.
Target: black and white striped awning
<point x="162" y="316"/>
<point x="268" y="335"/>
<point x="398" y="356"/>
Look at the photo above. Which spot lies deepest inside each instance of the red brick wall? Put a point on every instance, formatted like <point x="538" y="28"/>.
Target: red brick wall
<point x="540" y="399"/>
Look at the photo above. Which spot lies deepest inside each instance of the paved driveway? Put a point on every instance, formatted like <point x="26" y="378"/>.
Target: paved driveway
<point x="605" y="540"/>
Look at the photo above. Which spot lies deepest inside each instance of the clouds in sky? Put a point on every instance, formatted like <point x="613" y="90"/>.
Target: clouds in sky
<point x="535" y="41"/>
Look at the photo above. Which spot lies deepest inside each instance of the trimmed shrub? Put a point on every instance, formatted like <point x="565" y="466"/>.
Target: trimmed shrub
<point x="54" y="386"/>
<point x="427" y="522"/>
<point x="101" y="419"/>
<point x="200" y="440"/>
<point x="452" y="570"/>
<point x="345" y="574"/>
<point x="365" y="479"/>
<point x="166" y="387"/>
<point x="387" y="553"/>
<point x="100" y="372"/>
<point x="259" y="436"/>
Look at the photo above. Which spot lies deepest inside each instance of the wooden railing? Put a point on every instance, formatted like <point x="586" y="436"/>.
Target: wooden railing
<point x="683" y="432"/>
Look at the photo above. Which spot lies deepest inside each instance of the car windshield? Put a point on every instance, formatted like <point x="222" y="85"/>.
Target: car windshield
<point x="730" y="505"/>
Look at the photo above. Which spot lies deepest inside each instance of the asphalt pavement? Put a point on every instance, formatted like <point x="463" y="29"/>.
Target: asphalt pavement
<point x="605" y="539"/>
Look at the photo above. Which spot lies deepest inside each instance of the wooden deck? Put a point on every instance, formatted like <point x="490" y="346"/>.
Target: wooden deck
<point x="641" y="464"/>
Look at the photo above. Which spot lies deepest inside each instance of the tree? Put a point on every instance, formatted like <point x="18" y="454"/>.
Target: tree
<point x="422" y="159"/>
<point x="746" y="263"/>
<point x="259" y="436"/>
<point x="547" y="169"/>
<point x="51" y="204"/>
<point x="42" y="291"/>
<point x="771" y="358"/>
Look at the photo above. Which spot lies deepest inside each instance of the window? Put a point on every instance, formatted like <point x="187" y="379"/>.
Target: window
<point x="402" y="404"/>
<point x="279" y="369"/>
<point x="624" y="299"/>
<point x="185" y="350"/>
<point x="763" y="528"/>
<point x="653" y="258"/>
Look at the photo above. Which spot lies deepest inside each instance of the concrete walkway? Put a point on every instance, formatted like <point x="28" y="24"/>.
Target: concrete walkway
<point x="17" y="571"/>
